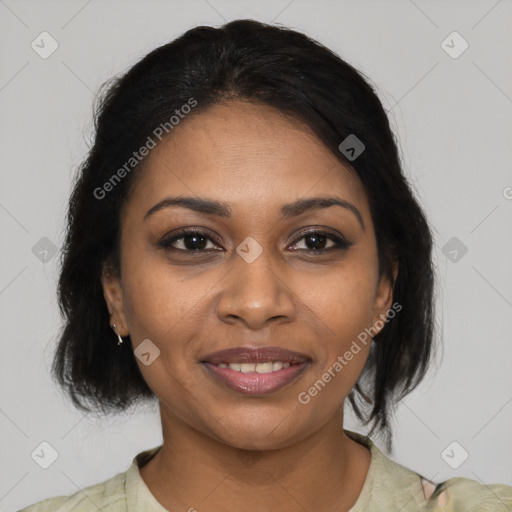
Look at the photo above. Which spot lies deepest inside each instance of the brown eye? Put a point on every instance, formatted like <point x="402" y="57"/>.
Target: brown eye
<point x="194" y="240"/>
<point x="317" y="242"/>
<point x="190" y="240"/>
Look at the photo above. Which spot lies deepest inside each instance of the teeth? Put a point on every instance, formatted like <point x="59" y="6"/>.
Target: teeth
<point x="247" y="367"/>
<point x="267" y="367"/>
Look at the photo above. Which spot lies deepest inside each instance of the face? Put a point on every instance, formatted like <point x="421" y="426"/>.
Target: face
<point x="254" y="274"/>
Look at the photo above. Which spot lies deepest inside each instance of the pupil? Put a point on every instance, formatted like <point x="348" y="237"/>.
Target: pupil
<point x="194" y="238"/>
<point x="316" y="242"/>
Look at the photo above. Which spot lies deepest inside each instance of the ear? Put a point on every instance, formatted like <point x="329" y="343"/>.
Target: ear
<point x="113" y="293"/>
<point x="383" y="299"/>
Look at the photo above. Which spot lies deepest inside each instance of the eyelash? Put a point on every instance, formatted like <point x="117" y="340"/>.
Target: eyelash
<point x="340" y="243"/>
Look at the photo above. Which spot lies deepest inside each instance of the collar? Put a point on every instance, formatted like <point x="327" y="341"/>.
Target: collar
<point x="386" y="482"/>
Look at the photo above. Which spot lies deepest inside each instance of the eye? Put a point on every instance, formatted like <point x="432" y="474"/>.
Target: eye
<point x="189" y="239"/>
<point x="195" y="240"/>
<point x="316" y="242"/>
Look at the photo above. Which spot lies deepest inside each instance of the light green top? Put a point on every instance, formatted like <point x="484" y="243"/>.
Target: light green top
<point x="388" y="486"/>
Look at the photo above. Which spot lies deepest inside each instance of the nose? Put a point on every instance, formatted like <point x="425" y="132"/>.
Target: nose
<point x="255" y="293"/>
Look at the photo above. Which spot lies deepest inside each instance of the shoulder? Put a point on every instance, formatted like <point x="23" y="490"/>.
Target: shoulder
<point x="453" y="495"/>
<point x="107" y="496"/>
<point x="467" y="495"/>
<point x="392" y="486"/>
<point x="123" y="492"/>
<point x="47" y="505"/>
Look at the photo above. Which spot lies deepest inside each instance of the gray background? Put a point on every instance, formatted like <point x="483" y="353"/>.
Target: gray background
<point x="452" y="117"/>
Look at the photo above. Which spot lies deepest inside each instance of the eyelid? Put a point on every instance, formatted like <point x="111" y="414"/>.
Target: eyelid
<point x="325" y="231"/>
<point x="166" y="241"/>
<point x="340" y="241"/>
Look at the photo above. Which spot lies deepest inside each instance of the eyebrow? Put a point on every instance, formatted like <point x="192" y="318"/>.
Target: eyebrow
<point x="220" y="209"/>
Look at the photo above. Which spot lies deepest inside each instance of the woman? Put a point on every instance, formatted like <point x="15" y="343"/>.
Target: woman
<point x="243" y="247"/>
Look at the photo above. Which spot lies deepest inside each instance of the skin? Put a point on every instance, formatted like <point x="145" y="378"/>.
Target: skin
<point x="254" y="159"/>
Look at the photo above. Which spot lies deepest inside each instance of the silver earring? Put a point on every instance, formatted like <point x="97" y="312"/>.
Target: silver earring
<point x="117" y="334"/>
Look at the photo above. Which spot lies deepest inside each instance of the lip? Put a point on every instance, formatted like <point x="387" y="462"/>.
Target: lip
<point x="255" y="355"/>
<point x="255" y="383"/>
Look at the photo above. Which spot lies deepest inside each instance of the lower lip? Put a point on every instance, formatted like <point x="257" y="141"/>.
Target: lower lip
<point x="256" y="383"/>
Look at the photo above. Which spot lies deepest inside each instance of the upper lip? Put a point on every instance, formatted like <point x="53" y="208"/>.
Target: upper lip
<point x="255" y="355"/>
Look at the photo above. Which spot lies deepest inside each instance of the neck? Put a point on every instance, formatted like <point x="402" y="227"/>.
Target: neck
<point x="325" y="471"/>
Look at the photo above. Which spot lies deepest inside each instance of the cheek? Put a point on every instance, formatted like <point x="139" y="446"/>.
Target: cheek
<point x="146" y="300"/>
<point x="341" y="311"/>
<point x="161" y="307"/>
<point x="342" y="300"/>
<point x="157" y="297"/>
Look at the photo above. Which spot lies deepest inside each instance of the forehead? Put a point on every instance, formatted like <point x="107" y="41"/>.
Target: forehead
<point x="246" y="153"/>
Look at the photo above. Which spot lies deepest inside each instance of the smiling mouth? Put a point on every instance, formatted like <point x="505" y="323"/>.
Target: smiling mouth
<point x="255" y="355"/>
<point x="266" y="367"/>
<point x="255" y="371"/>
<point x="255" y="379"/>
